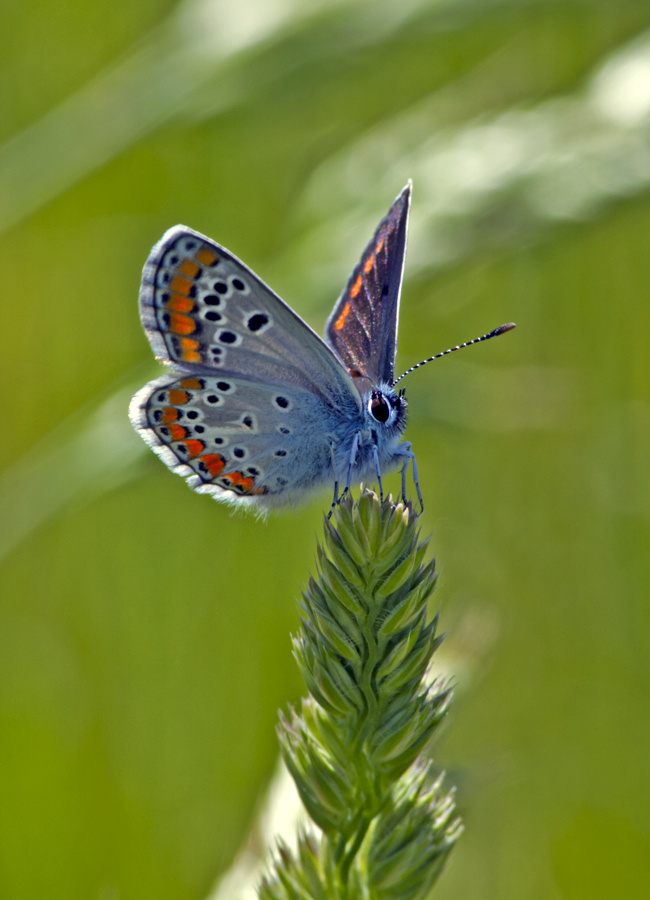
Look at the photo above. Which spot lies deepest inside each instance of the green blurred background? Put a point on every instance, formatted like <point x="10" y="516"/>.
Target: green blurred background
<point x="144" y="630"/>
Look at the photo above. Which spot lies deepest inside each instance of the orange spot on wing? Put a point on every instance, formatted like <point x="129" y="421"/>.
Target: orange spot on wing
<point x="214" y="463"/>
<point x="189" y="350"/>
<point x="180" y="324"/>
<point x="340" y="322"/>
<point x="178" y="397"/>
<point x="180" y="285"/>
<point x="169" y="414"/>
<point x="206" y="257"/>
<point x="193" y="384"/>
<point x="195" y="447"/>
<point x="356" y="287"/>
<point x="380" y="245"/>
<point x="177" y="432"/>
<point x="368" y="264"/>
<point x="239" y="480"/>
<point x="189" y="268"/>
<point x="179" y="303"/>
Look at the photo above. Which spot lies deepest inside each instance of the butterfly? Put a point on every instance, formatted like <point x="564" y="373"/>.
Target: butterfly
<point x="259" y="410"/>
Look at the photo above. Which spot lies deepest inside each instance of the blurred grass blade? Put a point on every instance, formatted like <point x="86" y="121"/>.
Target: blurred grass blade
<point x="279" y="814"/>
<point x="156" y="82"/>
<point x="496" y="180"/>
<point x="126" y="102"/>
<point x="88" y="454"/>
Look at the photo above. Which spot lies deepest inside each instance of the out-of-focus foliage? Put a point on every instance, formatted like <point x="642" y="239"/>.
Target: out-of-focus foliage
<point x="144" y="641"/>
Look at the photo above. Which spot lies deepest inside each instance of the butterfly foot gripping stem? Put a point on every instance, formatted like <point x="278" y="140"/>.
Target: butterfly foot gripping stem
<point x="375" y="454"/>
<point x="353" y="458"/>
<point x="410" y="457"/>
<point x="335" y="499"/>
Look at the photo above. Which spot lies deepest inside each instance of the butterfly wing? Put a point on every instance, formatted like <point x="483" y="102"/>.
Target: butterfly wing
<point x="253" y="377"/>
<point x="362" y="328"/>
<point x="236" y="439"/>
<point x="203" y="309"/>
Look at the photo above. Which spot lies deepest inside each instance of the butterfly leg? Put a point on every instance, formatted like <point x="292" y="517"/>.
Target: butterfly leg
<point x="335" y="499"/>
<point x="405" y="450"/>
<point x="353" y="457"/>
<point x="375" y="454"/>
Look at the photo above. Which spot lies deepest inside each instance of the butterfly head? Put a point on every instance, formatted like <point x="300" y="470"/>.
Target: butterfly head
<point x="388" y="407"/>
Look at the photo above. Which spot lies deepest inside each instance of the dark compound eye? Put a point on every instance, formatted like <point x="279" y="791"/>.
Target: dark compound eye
<point x="379" y="408"/>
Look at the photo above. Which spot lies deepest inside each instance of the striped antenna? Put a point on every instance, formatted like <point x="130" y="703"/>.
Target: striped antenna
<point x="485" y="337"/>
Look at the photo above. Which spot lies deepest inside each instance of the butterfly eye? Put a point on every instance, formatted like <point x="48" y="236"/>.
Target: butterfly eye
<point x="379" y="408"/>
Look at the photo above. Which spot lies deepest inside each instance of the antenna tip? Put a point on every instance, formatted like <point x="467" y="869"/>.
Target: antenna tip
<point x="503" y="328"/>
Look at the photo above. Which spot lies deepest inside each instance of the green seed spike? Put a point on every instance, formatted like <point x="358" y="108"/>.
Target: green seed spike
<point x="363" y="648"/>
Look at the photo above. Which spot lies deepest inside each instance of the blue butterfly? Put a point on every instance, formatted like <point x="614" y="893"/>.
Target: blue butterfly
<point x="259" y="411"/>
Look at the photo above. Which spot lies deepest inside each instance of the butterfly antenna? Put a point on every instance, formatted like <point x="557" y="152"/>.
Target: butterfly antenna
<point x="484" y="337"/>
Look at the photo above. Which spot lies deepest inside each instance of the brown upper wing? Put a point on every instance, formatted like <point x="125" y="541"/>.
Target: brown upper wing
<point x="362" y="328"/>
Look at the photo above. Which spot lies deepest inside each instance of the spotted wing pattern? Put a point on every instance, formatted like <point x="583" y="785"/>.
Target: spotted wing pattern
<point x="227" y="434"/>
<point x="251" y="375"/>
<point x="202" y="309"/>
<point x="362" y="328"/>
